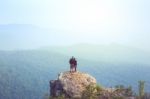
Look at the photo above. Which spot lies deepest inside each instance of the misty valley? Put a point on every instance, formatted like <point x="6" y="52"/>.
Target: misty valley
<point x="25" y="74"/>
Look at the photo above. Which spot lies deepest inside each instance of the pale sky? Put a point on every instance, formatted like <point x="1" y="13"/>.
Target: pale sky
<point x="85" y="21"/>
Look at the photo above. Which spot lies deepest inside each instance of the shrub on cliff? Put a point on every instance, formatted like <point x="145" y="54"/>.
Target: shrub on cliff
<point x="91" y="92"/>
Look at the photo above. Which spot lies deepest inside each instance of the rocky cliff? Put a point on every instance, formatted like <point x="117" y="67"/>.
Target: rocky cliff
<point x="77" y="85"/>
<point x="71" y="84"/>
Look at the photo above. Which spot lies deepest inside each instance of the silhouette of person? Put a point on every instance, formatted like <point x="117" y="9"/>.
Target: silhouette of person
<point x="73" y="64"/>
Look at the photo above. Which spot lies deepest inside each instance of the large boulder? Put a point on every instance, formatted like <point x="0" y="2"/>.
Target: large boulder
<point x="71" y="84"/>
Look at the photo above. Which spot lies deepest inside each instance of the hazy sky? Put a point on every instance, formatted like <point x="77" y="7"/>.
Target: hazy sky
<point x="91" y="21"/>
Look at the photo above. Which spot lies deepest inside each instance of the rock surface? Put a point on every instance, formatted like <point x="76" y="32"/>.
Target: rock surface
<point x="71" y="84"/>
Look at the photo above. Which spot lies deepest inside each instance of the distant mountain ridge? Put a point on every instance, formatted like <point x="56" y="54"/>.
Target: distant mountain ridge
<point x="113" y="53"/>
<point x="26" y="36"/>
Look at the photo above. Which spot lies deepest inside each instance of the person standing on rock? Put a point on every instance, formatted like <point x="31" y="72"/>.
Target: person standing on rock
<point x="73" y="64"/>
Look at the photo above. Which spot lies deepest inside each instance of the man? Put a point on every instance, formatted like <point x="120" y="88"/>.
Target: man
<point x="73" y="64"/>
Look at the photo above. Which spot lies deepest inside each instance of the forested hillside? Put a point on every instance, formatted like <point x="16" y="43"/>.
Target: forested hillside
<point x="26" y="74"/>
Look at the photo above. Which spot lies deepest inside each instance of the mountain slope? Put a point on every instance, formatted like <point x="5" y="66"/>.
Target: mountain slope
<point x="113" y="53"/>
<point x="26" y="74"/>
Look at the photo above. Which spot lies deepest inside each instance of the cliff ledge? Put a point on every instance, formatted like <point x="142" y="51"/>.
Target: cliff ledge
<point x="71" y="84"/>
